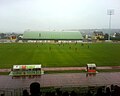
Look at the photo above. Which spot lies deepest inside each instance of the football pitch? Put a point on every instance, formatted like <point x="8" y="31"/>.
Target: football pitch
<point x="59" y="55"/>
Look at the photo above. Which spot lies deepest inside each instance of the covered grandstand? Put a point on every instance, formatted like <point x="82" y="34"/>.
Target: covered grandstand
<point x="50" y="36"/>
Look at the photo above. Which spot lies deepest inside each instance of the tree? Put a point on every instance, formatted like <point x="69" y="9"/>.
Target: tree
<point x="106" y="36"/>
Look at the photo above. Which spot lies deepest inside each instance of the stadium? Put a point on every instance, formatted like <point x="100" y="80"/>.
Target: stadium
<point x="63" y="57"/>
<point x="59" y="48"/>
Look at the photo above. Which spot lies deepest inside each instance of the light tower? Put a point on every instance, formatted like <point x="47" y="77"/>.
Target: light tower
<point x="110" y="12"/>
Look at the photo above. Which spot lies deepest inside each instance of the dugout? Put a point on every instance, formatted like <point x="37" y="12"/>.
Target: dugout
<point x="91" y="68"/>
<point x="26" y="70"/>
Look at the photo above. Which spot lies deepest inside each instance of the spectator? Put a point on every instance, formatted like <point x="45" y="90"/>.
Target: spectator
<point x="99" y="92"/>
<point x="107" y="93"/>
<point x="59" y="92"/>
<point x="73" y="93"/>
<point x="112" y="87"/>
<point x="52" y="94"/>
<point x="35" y="89"/>
<point x="116" y="91"/>
<point x="48" y="94"/>
<point x="65" y="93"/>
<point x="25" y="93"/>
<point x="89" y="93"/>
<point x="2" y="95"/>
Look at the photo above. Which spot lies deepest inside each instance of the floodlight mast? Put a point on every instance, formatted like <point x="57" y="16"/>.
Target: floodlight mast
<point x="110" y="12"/>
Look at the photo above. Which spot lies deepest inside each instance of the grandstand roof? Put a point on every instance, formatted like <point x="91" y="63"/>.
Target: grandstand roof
<point x="48" y="35"/>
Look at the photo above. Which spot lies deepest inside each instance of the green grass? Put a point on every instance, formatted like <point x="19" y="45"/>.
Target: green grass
<point x="53" y="55"/>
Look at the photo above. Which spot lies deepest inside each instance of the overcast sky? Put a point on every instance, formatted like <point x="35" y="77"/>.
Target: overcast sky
<point x="20" y="15"/>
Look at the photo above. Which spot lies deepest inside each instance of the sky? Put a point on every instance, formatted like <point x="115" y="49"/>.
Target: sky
<point x="37" y="15"/>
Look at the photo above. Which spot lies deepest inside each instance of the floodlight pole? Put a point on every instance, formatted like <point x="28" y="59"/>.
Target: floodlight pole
<point x="110" y="12"/>
<point x="109" y="25"/>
